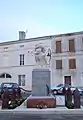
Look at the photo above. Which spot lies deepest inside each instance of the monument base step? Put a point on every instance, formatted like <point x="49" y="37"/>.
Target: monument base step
<point x="41" y="102"/>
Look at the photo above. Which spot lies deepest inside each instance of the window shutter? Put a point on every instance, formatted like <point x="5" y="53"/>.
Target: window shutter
<point x="58" y="46"/>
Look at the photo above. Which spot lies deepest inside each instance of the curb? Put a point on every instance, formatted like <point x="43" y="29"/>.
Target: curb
<point x="50" y="111"/>
<point x="44" y="111"/>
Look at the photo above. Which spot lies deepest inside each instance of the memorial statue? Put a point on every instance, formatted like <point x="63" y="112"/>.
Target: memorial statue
<point x="42" y="57"/>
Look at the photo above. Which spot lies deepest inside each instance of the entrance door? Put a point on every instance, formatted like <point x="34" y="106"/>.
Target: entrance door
<point x="67" y="80"/>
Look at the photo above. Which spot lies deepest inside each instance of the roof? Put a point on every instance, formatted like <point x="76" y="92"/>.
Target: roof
<point x="40" y="38"/>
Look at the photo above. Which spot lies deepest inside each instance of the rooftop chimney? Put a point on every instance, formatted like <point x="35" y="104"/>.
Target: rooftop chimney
<point x="22" y="35"/>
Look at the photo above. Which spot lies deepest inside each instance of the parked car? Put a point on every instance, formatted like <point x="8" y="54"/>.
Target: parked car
<point x="59" y="89"/>
<point x="79" y="89"/>
<point x="10" y="86"/>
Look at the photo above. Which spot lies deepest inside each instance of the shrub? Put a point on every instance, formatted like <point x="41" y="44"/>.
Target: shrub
<point x="17" y="102"/>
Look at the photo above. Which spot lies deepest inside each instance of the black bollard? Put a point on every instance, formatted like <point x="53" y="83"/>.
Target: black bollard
<point x="77" y="102"/>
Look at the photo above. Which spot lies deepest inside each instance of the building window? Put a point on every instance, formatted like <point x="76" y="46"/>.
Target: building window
<point x="5" y="75"/>
<point x="58" y="46"/>
<point x="71" y="45"/>
<point x="2" y="75"/>
<point x="58" y="64"/>
<point x="22" y="59"/>
<point x="72" y="63"/>
<point x="8" y="76"/>
<point x="21" y="80"/>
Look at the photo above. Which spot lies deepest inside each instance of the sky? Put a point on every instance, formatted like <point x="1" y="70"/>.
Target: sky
<point x="39" y="17"/>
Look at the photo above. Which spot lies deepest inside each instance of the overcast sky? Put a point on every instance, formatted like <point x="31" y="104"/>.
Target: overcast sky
<point x="39" y="17"/>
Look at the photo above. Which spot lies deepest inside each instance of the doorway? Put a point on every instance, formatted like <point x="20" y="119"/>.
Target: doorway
<point x="67" y="80"/>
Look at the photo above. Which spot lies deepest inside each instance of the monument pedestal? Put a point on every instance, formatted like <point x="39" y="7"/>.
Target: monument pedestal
<point x="41" y="102"/>
<point x="41" y="97"/>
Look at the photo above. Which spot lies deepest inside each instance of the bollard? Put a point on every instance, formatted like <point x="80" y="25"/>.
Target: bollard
<point x="5" y="99"/>
<point x="69" y="103"/>
<point x="77" y="102"/>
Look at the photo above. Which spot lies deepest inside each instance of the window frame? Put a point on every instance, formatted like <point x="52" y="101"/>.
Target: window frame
<point x="59" y="67"/>
<point x="5" y="75"/>
<point x="72" y="63"/>
<point x="21" y="80"/>
<point x="21" y="59"/>
<point x="72" y="45"/>
<point x="58" y="46"/>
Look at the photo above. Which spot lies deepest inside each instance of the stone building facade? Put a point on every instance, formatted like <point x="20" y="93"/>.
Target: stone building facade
<point x="17" y="59"/>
